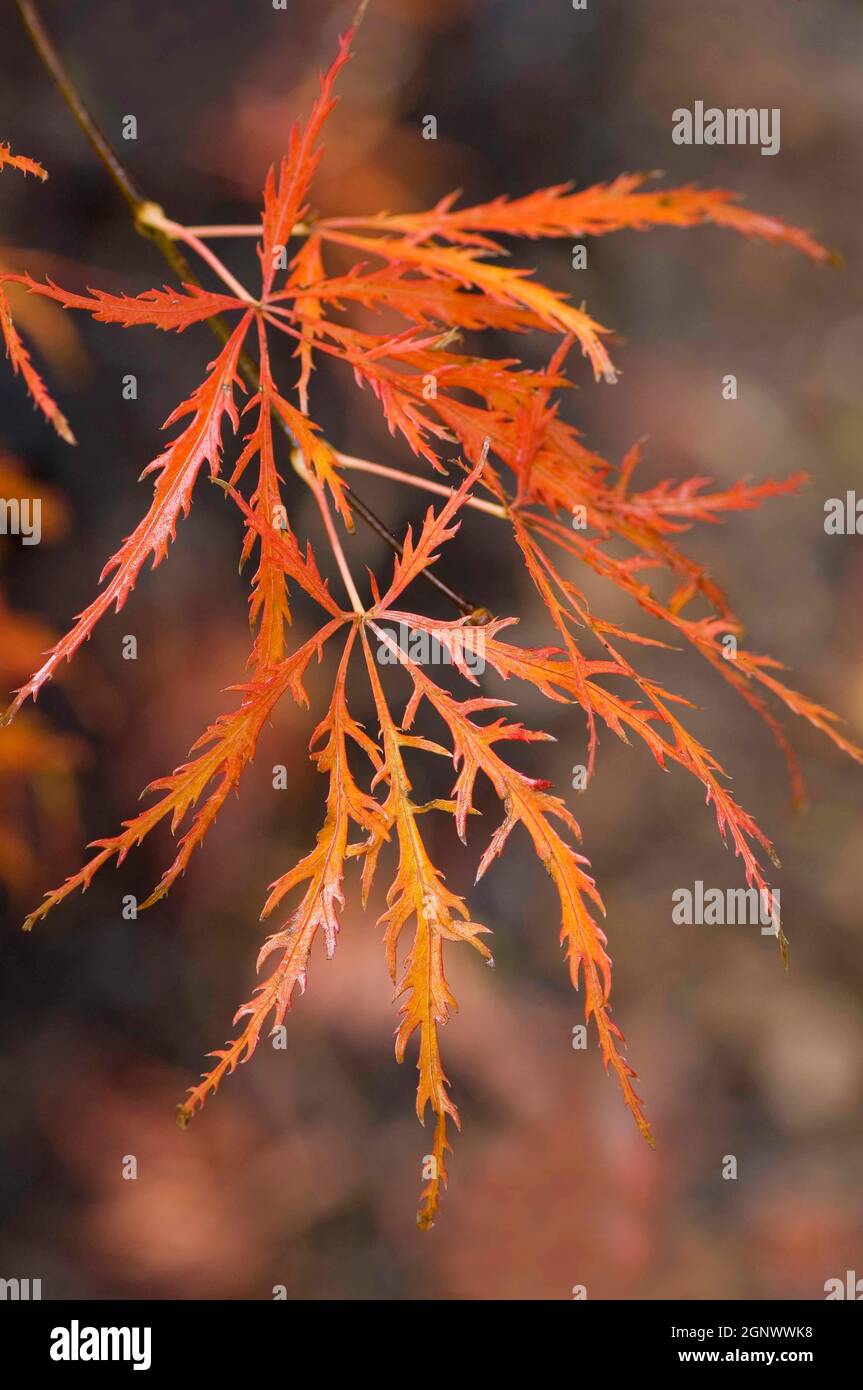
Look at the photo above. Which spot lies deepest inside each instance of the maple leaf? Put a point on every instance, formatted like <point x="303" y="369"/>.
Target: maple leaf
<point x="521" y="466"/>
<point x="228" y="746"/>
<point x="418" y="893"/>
<point x="176" y="472"/>
<point x="284" y="194"/>
<point x="322" y="869"/>
<point x="610" y="207"/>
<point x="501" y="284"/>
<point x="168" y="308"/>
<point x="21" y="362"/>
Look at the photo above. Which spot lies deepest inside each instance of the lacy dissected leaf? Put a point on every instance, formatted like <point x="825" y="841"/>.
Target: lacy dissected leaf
<point x="228" y="746"/>
<point x="609" y="207"/>
<point x="437" y="529"/>
<point x="267" y="522"/>
<point x="21" y="362"/>
<point x="284" y="193"/>
<point x="415" y="297"/>
<point x="307" y="275"/>
<point x="176" y="472"/>
<point x="167" y="308"/>
<point x="429" y="278"/>
<point x="400" y="393"/>
<point x="558" y="594"/>
<point x="527" y="801"/>
<point x="286" y="551"/>
<point x="705" y="634"/>
<point x="269" y="607"/>
<point x="418" y="894"/>
<point x="323" y="871"/>
<point x="502" y="284"/>
<point x="317" y="455"/>
<point x="16" y="352"/>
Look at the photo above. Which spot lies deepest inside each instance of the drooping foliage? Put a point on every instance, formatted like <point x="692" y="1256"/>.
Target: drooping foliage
<point x="497" y="433"/>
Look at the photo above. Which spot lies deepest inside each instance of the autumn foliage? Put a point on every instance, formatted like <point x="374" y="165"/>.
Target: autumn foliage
<point x="492" y="442"/>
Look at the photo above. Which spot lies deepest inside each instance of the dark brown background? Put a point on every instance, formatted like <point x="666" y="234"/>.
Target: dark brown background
<point x="304" y="1170"/>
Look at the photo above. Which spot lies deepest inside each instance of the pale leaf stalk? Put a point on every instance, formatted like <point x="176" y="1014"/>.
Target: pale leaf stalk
<point x="332" y="534"/>
<point x="480" y="504"/>
<point x="151" y="215"/>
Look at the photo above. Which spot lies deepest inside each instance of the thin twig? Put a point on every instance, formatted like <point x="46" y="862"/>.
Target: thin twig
<point x="75" y="102"/>
<point x="324" y="508"/>
<point x="153" y="218"/>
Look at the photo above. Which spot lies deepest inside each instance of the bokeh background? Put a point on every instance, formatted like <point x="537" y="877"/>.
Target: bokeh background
<point x="304" y="1171"/>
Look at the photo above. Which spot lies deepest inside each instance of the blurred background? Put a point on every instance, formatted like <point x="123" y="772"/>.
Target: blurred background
<point x="304" y="1171"/>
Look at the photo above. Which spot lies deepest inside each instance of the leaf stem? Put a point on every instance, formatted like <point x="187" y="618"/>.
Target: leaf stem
<point x="332" y="534"/>
<point x="237" y="229"/>
<point x="53" y="62"/>
<point x="151" y="215"/>
<point x="481" y="504"/>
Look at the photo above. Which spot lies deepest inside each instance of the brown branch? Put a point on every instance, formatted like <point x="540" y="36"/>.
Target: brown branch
<point x="53" y="62"/>
<point x="137" y="202"/>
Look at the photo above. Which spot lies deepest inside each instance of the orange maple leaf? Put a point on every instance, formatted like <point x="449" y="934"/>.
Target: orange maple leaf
<point x="524" y="467"/>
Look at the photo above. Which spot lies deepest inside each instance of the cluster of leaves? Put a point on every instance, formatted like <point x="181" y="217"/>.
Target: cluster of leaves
<point x="520" y="464"/>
